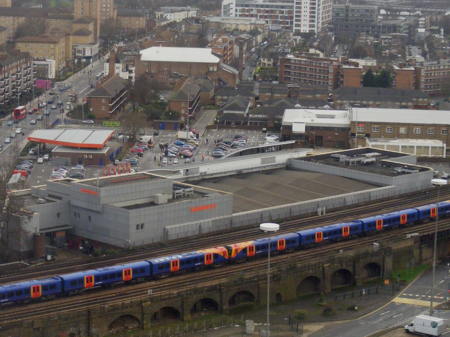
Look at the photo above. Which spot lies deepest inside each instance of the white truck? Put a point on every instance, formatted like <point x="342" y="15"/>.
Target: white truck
<point x="186" y="135"/>
<point x="426" y="326"/>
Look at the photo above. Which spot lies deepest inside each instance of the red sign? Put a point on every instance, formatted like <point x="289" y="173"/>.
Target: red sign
<point x="85" y="190"/>
<point x="203" y="207"/>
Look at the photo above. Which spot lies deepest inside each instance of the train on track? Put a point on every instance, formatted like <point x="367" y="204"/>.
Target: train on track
<point x="73" y="283"/>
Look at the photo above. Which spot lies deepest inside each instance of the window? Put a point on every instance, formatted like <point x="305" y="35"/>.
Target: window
<point x="375" y="129"/>
<point x="417" y="131"/>
<point x="389" y="129"/>
<point x="89" y="218"/>
<point x="360" y="129"/>
<point x="18" y="292"/>
<point x="430" y="131"/>
<point x="444" y="132"/>
<point x="403" y="130"/>
<point x="139" y="226"/>
<point x="58" y="215"/>
<point x="73" y="283"/>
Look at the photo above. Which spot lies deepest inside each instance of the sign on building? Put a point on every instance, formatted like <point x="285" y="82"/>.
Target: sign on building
<point x="111" y="124"/>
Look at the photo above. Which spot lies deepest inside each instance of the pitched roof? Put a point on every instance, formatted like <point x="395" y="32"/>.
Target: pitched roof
<point x="187" y="91"/>
<point x="238" y="103"/>
<point x="39" y="39"/>
<point x="179" y="54"/>
<point x="227" y="92"/>
<point x="109" y="88"/>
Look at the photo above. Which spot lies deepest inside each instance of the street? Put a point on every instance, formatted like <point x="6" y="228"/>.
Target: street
<point x="412" y="301"/>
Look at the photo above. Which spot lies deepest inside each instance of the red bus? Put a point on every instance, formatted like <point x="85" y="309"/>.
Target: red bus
<point x="19" y="113"/>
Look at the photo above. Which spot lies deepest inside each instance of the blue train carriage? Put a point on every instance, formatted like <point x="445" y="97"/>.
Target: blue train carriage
<point x="310" y="237"/>
<point x="78" y="281"/>
<point x="30" y="290"/>
<point x="278" y="244"/>
<point x="167" y="265"/>
<point x="390" y="220"/>
<point x="341" y="231"/>
<point x="121" y="273"/>
<point x="214" y="256"/>
<point x="372" y="224"/>
<point x="241" y="250"/>
<point x="430" y="211"/>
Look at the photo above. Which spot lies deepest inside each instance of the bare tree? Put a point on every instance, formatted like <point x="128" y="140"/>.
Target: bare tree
<point x="132" y="122"/>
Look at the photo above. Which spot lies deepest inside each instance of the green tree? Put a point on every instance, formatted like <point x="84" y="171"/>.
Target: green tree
<point x="358" y="51"/>
<point x="369" y="79"/>
<point x="383" y="79"/>
<point x="300" y="315"/>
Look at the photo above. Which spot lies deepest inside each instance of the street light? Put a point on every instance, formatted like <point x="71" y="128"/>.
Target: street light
<point x="438" y="183"/>
<point x="268" y="228"/>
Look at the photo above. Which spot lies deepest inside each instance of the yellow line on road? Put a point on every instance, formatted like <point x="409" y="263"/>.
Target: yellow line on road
<point x="412" y="301"/>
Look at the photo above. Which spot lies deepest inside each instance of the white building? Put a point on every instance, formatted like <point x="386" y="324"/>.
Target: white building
<point x="85" y="52"/>
<point x="304" y="16"/>
<point x="175" y="14"/>
<point x="417" y="147"/>
<point x="47" y="68"/>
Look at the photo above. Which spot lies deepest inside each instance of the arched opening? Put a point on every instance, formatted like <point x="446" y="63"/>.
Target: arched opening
<point x="372" y="270"/>
<point x="341" y="278"/>
<point x="309" y="286"/>
<point x="279" y="298"/>
<point x="241" y="297"/>
<point x="166" y="314"/>
<point x="123" y="323"/>
<point x="205" y="305"/>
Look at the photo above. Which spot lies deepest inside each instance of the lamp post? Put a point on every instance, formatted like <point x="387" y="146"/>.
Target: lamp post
<point x="438" y="183"/>
<point x="268" y="228"/>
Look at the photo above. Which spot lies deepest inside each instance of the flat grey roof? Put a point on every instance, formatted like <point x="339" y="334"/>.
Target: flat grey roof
<point x="280" y="186"/>
<point x="119" y="179"/>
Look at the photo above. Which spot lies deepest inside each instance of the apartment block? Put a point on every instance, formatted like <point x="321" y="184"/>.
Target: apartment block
<point x="107" y="10"/>
<point x="309" y="71"/>
<point x="353" y="19"/>
<point x="175" y="14"/>
<point x="434" y="76"/>
<point x="223" y="47"/>
<point x="404" y="78"/>
<point x="312" y="16"/>
<point x="132" y="19"/>
<point x="16" y="76"/>
<point x="58" y="48"/>
<point x="108" y="98"/>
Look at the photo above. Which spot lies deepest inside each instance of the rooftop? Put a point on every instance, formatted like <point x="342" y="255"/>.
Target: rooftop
<point x="78" y="138"/>
<point x="316" y="117"/>
<point x="378" y="94"/>
<point x="280" y="186"/>
<point x="179" y="54"/>
<point x="121" y="179"/>
<point x="368" y="160"/>
<point x="131" y="12"/>
<point x="110" y="88"/>
<point x="411" y="116"/>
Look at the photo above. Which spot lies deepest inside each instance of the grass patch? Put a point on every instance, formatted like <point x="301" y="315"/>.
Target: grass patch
<point x="409" y="274"/>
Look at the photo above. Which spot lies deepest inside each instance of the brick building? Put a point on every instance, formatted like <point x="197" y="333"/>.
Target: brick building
<point x="310" y="71"/>
<point x="399" y="124"/>
<point x="316" y="127"/>
<point x="351" y="76"/>
<point x="380" y="97"/>
<point x="108" y="98"/>
<point x="132" y="19"/>
<point x="404" y="78"/>
<point x="222" y="46"/>
<point x="107" y="10"/>
<point x="16" y="77"/>
<point x="185" y="99"/>
<point x="434" y="76"/>
<point x="58" y="48"/>
<point x="3" y="35"/>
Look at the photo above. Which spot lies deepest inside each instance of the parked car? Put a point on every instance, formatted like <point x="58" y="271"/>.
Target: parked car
<point x="171" y="154"/>
<point x="54" y="107"/>
<point x="33" y="122"/>
<point x="186" y="153"/>
<point x="87" y="121"/>
<point x="164" y="161"/>
<point x="217" y="154"/>
<point x="76" y="175"/>
<point x="175" y="161"/>
<point x="13" y="135"/>
<point x="136" y="150"/>
<point x="42" y="104"/>
<point x="7" y="140"/>
<point x="46" y="157"/>
<point x="40" y="160"/>
<point x="9" y="123"/>
<point x="19" y="130"/>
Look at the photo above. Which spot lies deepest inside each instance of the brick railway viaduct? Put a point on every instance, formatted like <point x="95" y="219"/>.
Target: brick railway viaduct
<point x="288" y="282"/>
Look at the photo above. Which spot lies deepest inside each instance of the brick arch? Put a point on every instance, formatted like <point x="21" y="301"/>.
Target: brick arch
<point x="342" y="278"/>
<point x="124" y="323"/>
<point x="309" y="285"/>
<point x="166" y="313"/>
<point x="241" y="296"/>
<point x="372" y="270"/>
<point x="205" y="304"/>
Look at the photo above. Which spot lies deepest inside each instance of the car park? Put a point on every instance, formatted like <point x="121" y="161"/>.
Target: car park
<point x="171" y="154"/>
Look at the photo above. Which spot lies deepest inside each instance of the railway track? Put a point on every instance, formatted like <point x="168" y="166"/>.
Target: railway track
<point x="221" y="238"/>
<point x="203" y="279"/>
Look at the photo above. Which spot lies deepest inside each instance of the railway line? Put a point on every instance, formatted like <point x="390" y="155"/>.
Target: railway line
<point x="222" y="238"/>
<point x="204" y="278"/>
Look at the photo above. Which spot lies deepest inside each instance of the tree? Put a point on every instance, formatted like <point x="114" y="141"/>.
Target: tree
<point x="146" y="90"/>
<point x="132" y="122"/>
<point x="369" y="79"/>
<point x="383" y="79"/>
<point x="300" y="315"/>
<point x="358" y="51"/>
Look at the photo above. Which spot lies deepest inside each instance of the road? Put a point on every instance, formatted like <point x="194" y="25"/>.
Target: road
<point x="412" y="301"/>
<point x="80" y="84"/>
